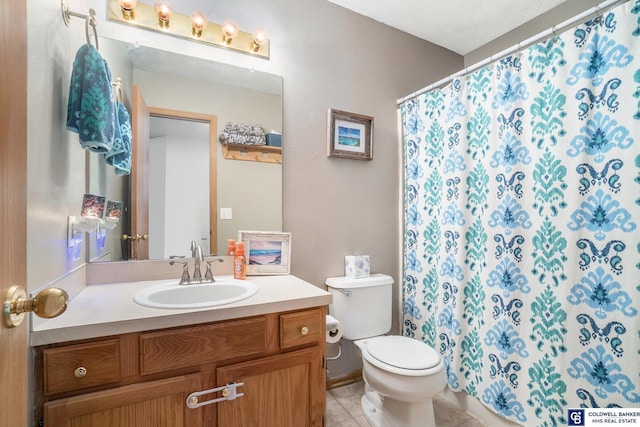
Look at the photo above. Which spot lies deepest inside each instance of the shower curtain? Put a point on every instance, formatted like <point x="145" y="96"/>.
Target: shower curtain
<point x="522" y="214"/>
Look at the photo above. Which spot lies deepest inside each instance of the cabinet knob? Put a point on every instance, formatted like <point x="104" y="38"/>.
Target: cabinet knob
<point x="80" y="372"/>
<point x="304" y="330"/>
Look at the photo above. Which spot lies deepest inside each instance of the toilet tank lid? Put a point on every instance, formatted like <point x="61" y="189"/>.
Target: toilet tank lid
<point x="364" y="282"/>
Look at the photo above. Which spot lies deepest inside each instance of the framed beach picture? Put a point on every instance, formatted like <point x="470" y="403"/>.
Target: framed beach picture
<point x="349" y="135"/>
<point x="266" y="252"/>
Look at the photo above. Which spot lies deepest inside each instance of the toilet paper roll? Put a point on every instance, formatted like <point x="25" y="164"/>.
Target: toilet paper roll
<point x="334" y="330"/>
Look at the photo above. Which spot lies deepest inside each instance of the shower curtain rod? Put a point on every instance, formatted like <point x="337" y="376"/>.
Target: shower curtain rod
<point x="596" y="10"/>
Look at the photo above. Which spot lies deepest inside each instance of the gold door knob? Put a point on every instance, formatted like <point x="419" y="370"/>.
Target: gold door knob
<point x="136" y="237"/>
<point x="50" y="302"/>
<point x="304" y="330"/>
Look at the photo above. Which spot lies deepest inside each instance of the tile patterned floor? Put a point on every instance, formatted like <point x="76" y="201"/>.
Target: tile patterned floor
<point x="343" y="410"/>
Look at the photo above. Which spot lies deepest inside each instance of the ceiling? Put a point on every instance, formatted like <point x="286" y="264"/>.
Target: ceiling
<point x="458" y="25"/>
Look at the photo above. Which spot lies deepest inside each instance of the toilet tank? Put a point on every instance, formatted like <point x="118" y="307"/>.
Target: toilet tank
<point x="363" y="306"/>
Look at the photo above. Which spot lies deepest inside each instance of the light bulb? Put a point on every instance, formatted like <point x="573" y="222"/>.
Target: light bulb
<point x="198" y="23"/>
<point x="259" y="38"/>
<point x="127" y="7"/>
<point x="164" y="11"/>
<point x="229" y="31"/>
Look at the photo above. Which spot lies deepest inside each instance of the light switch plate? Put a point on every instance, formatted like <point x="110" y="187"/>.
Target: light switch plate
<point x="226" y="213"/>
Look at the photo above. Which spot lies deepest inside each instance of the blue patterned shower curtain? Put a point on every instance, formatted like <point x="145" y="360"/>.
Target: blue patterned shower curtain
<point x="522" y="215"/>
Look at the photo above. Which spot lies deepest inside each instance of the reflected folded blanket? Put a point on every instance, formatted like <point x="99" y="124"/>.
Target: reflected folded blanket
<point x="238" y="133"/>
<point x="90" y="110"/>
<point x="120" y="154"/>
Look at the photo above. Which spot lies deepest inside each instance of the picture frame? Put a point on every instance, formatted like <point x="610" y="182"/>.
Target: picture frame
<point x="266" y="252"/>
<point x="349" y="135"/>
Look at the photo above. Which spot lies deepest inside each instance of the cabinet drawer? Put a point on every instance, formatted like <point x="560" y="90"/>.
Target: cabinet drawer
<point x="181" y="348"/>
<point x="302" y="327"/>
<point x="81" y="366"/>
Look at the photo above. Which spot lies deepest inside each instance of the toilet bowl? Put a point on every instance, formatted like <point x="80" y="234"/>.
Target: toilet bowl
<point x="402" y="375"/>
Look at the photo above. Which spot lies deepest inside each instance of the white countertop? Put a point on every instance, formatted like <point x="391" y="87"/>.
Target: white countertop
<point x="109" y="309"/>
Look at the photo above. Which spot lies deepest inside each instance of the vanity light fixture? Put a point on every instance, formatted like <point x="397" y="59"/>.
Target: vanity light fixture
<point x="229" y="31"/>
<point x="164" y="11"/>
<point x="160" y="17"/>
<point x="198" y="23"/>
<point x="127" y="7"/>
<point x="259" y="39"/>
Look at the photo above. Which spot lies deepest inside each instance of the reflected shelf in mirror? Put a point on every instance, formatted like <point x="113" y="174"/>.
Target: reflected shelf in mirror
<point x="252" y="153"/>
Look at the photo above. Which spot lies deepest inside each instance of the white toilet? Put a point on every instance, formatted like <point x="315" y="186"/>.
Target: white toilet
<point x="401" y="374"/>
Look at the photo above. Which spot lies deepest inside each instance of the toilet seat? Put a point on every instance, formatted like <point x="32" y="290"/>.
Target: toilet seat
<point x="401" y="355"/>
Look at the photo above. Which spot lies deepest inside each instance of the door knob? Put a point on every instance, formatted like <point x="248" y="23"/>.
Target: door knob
<point x="49" y="302"/>
<point x="136" y="237"/>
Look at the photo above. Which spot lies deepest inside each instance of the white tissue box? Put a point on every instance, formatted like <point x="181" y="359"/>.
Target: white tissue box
<point x="356" y="266"/>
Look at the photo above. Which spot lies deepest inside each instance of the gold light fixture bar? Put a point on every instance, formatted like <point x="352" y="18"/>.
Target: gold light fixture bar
<point x="181" y="26"/>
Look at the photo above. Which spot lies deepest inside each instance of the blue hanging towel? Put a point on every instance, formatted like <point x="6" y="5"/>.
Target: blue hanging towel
<point x="120" y="154"/>
<point x="90" y="110"/>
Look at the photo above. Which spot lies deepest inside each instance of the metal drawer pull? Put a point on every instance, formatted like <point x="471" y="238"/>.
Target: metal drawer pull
<point x="228" y="393"/>
<point x="80" y="372"/>
<point x="304" y="330"/>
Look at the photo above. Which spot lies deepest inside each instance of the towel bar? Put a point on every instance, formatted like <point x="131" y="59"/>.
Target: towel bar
<point x="89" y="20"/>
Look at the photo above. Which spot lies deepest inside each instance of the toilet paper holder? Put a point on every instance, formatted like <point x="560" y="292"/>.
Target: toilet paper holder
<point x="334" y="333"/>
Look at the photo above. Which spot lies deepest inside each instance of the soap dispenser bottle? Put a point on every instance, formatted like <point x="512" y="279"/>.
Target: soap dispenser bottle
<point x="239" y="265"/>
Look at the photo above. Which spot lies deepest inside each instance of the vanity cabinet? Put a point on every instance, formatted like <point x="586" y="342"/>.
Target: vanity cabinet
<point x="276" y="361"/>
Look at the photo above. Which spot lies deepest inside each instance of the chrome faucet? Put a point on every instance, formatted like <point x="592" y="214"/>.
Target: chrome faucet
<point x="197" y="259"/>
<point x="196" y="254"/>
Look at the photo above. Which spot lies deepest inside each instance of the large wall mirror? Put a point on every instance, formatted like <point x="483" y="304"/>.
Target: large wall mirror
<point x="188" y="103"/>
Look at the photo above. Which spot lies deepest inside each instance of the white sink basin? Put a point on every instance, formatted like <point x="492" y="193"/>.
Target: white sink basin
<point x="200" y="295"/>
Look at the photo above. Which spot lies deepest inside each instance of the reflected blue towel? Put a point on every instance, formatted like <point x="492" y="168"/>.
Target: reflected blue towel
<point x="120" y="154"/>
<point x="90" y="110"/>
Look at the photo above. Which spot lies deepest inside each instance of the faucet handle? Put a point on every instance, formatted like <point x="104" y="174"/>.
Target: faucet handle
<point x="208" y="275"/>
<point x="185" y="279"/>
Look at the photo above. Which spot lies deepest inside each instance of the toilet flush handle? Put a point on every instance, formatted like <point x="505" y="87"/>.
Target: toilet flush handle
<point x="347" y="292"/>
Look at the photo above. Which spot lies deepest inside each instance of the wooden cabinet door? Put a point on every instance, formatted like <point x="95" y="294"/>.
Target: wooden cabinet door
<point x="286" y="390"/>
<point x="152" y="404"/>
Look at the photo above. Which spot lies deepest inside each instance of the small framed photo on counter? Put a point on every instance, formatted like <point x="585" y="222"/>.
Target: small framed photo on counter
<point x="266" y="252"/>
<point x="349" y="135"/>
